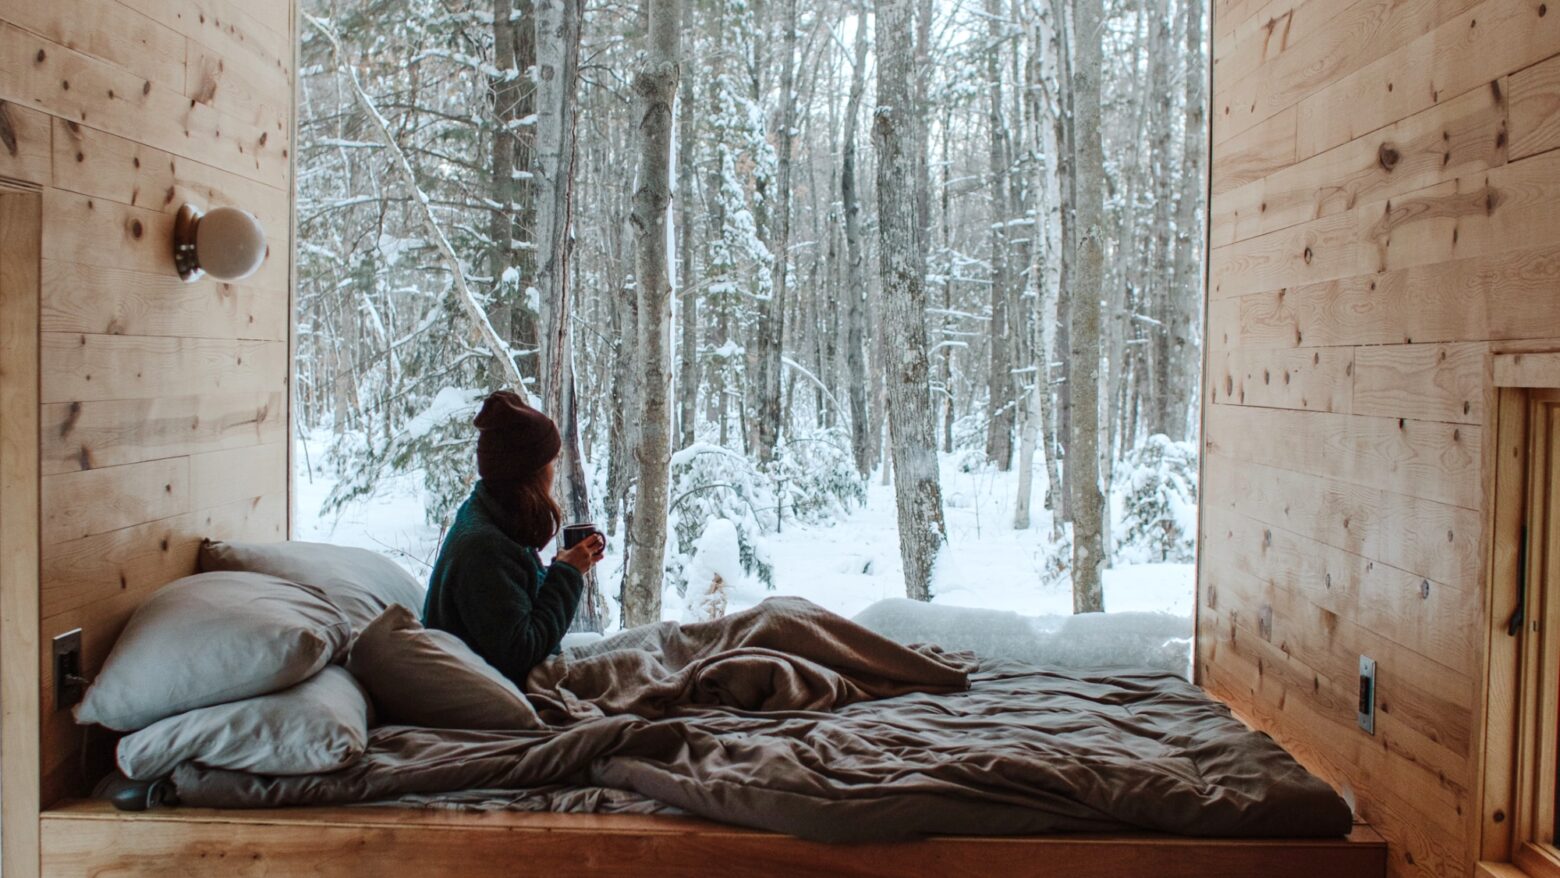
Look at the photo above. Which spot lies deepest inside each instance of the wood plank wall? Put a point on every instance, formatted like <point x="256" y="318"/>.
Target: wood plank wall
<point x="164" y="406"/>
<point x="1385" y="212"/>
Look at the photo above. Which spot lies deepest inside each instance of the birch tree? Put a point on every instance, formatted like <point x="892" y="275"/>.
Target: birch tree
<point x="655" y="88"/>
<point x="912" y="428"/>
<point x="1088" y="556"/>
<point x="999" y="377"/>
<point x="687" y="253"/>
<point x="856" y="274"/>
<point x="557" y="51"/>
<point x="1185" y="359"/>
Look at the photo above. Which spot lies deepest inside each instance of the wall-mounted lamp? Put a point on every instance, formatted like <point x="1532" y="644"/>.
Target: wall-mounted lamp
<point x="225" y="242"/>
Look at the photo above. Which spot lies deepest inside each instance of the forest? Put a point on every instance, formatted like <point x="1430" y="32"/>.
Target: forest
<point x="760" y="259"/>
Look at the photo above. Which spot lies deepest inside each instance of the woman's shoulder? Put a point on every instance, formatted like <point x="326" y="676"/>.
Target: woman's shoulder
<point x="484" y="541"/>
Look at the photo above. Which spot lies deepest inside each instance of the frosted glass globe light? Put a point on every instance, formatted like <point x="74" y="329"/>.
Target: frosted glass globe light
<point x="226" y="243"/>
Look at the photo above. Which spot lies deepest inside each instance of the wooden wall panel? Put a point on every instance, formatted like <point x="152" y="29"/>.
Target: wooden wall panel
<point x="1535" y="109"/>
<point x="21" y="225"/>
<point x="1385" y="222"/>
<point x="25" y="142"/>
<point x="162" y="411"/>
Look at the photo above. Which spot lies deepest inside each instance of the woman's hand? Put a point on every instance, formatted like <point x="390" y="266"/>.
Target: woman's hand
<point x="584" y="554"/>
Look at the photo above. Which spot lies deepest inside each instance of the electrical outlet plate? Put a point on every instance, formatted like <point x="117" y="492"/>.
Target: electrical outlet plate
<point x="1366" y="715"/>
<point x="67" y="661"/>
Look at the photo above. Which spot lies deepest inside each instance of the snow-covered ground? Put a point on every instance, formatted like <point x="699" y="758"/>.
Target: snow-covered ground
<point x="846" y="565"/>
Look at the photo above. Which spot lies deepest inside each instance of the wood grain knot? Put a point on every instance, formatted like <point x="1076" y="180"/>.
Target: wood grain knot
<point x="1387" y="156"/>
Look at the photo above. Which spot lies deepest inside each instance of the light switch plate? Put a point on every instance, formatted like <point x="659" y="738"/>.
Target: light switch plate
<point x="1366" y="714"/>
<point x="67" y="664"/>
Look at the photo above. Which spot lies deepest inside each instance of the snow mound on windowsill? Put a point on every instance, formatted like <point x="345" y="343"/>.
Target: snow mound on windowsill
<point x="1161" y="641"/>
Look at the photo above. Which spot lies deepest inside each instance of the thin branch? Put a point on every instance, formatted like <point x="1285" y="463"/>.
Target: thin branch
<point x="490" y="337"/>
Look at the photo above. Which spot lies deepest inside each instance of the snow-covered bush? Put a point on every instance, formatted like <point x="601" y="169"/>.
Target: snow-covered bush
<point x="969" y="434"/>
<point x="715" y="568"/>
<point x="710" y="482"/>
<point x="816" y="477"/>
<point x="1056" y="559"/>
<point x="438" y="442"/>
<point x="813" y="479"/>
<point x="970" y="460"/>
<point x="1156" y="487"/>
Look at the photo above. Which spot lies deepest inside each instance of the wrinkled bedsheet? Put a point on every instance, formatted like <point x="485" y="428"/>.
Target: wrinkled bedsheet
<point x="789" y="718"/>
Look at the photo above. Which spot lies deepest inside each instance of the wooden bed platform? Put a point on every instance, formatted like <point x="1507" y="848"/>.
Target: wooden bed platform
<point x="80" y="838"/>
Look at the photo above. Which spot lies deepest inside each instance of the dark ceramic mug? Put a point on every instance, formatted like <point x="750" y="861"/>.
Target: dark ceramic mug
<point x="576" y="533"/>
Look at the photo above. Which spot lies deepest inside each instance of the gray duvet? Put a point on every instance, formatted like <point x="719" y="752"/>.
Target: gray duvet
<point x="791" y="719"/>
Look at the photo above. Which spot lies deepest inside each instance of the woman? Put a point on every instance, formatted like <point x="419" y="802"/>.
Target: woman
<point x="488" y="586"/>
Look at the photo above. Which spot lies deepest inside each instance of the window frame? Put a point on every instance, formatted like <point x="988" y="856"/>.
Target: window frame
<point x="1518" y="784"/>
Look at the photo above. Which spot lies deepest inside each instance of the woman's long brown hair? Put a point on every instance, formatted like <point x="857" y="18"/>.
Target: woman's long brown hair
<point x="534" y="516"/>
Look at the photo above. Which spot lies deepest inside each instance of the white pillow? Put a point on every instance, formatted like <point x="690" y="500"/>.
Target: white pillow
<point x="210" y="639"/>
<point x="316" y="726"/>
<point x="359" y="582"/>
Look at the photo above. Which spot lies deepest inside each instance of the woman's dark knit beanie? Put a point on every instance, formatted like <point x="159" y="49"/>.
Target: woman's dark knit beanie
<point x="513" y="439"/>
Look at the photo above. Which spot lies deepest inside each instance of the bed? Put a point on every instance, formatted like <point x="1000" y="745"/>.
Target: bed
<point x="783" y="717"/>
<point x="775" y="731"/>
<point x="1022" y="751"/>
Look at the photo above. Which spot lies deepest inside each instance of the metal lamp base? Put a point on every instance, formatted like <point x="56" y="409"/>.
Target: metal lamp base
<point x="184" y="259"/>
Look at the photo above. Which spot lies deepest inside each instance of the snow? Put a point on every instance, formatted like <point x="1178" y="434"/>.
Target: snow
<point x="684" y="455"/>
<point x="1089" y="640"/>
<point x="851" y="564"/>
<point x="716" y="570"/>
<point x="448" y="403"/>
<point x="717" y="554"/>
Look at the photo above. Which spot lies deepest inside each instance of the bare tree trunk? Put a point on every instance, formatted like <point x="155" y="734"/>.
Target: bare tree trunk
<point x="656" y="89"/>
<point x="622" y="458"/>
<point x="557" y="49"/>
<point x="513" y="203"/>
<point x="856" y="276"/>
<point x="999" y="379"/>
<point x="688" y="367"/>
<point x="1159" y="289"/>
<point x="948" y="347"/>
<point x="913" y="434"/>
<point x="923" y="112"/>
<point x="771" y="328"/>
<point x="1066" y="130"/>
<point x="1037" y="411"/>
<point x="1083" y="449"/>
<point x="1186" y="291"/>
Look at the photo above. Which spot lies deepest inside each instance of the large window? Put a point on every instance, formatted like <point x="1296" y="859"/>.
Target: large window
<point x="434" y="186"/>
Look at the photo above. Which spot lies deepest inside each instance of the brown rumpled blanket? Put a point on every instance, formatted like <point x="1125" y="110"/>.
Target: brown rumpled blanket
<point x="784" y="654"/>
<point x="789" y="718"/>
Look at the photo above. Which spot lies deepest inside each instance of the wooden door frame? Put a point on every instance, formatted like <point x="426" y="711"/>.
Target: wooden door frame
<point x="21" y="231"/>
<point x="1513" y="379"/>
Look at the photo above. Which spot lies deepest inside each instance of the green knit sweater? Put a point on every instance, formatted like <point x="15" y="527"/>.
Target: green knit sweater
<point x="492" y="592"/>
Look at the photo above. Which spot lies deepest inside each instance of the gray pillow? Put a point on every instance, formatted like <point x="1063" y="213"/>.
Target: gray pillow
<point x="425" y="677"/>
<point x="210" y="639"/>
<point x="316" y="726"/>
<point x="359" y="582"/>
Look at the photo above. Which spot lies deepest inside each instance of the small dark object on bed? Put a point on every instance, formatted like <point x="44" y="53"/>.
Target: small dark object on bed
<point x="135" y="795"/>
